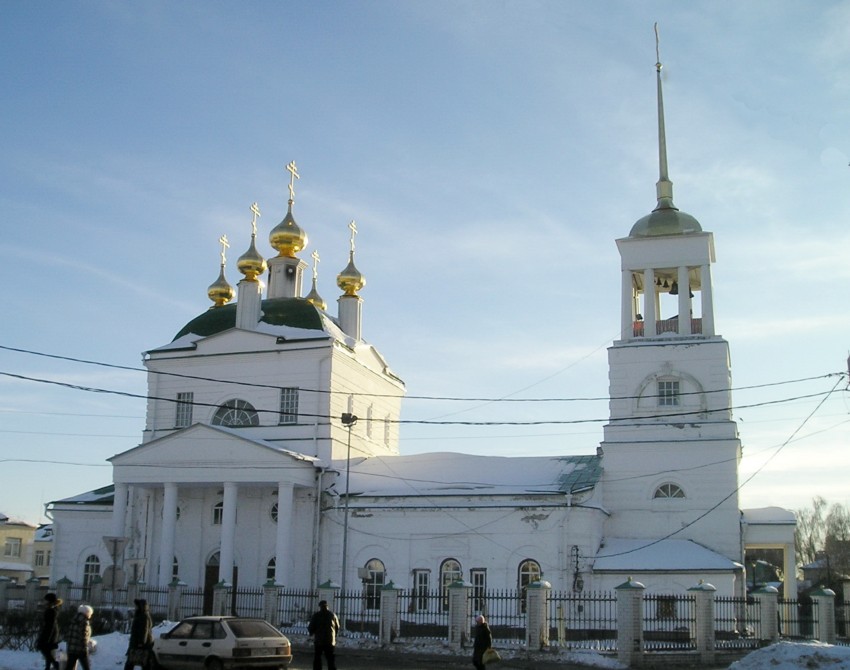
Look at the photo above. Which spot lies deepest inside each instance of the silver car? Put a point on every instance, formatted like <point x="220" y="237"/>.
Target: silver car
<point x="221" y="642"/>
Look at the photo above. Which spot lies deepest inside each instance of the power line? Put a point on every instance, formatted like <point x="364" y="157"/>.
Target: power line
<point x="236" y="382"/>
<point x="701" y="413"/>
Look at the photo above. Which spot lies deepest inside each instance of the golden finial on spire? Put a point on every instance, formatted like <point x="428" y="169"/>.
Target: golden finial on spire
<point x="251" y="263"/>
<point x="316" y="259"/>
<point x="225" y="245"/>
<point x="220" y="292"/>
<point x="350" y="280"/>
<point x="255" y="211"/>
<point x="313" y="297"/>
<point x="353" y="227"/>
<point x="293" y="175"/>
<point x="287" y="237"/>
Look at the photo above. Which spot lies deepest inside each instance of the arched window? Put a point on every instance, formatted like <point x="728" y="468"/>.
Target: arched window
<point x="669" y="490"/>
<point x="449" y="572"/>
<point x="236" y="414"/>
<point x="373" y="583"/>
<point x="273" y="512"/>
<point x="529" y="572"/>
<point x="270" y="568"/>
<point x="91" y="569"/>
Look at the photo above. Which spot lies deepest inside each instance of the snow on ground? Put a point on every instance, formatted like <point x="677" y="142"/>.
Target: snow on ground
<point x="111" y="650"/>
<point x="792" y="656"/>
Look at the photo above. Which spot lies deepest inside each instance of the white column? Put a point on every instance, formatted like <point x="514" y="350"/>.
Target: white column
<point x="707" y="303"/>
<point x="650" y="308"/>
<point x="789" y="566"/>
<point x="627" y="316"/>
<point x="284" y="525"/>
<point x="248" y="305"/>
<point x="119" y="510"/>
<point x="228" y="533"/>
<point x="350" y="310"/>
<point x="169" y="525"/>
<point x="684" y="281"/>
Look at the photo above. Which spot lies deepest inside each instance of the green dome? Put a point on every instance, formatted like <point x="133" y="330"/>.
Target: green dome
<point x="293" y="312"/>
<point x="665" y="220"/>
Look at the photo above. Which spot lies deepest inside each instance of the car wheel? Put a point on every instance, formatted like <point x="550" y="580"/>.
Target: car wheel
<point x="214" y="664"/>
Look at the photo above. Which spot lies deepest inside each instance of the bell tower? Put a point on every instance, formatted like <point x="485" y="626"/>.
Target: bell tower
<point x="670" y="443"/>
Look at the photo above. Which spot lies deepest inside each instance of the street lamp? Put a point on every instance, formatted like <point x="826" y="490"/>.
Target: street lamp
<point x="348" y="420"/>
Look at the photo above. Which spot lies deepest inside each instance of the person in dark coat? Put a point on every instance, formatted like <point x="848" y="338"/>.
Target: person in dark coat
<point x="482" y="641"/>
<point x="141" y="637"/>
<point x="323" y="627"/>
<point x="48" y="635"/>
<point x="78" y="639"/>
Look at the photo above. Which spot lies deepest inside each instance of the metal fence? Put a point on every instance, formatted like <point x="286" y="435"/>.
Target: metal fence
<point x="586" y="620"/>
<point x="294" y="609"/>
<point x="737" y="623"/>
<point x="505" y="612"/>
<point x="669" y="622"/>
<point x="798" y="619"/>
<point x="359" y="613"/>
<point x="423" y="615"/>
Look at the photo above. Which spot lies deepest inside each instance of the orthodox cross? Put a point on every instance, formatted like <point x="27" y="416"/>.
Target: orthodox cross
<point x="293" y="172"/>
<point x="315" y="257"/>
<point x="353" y="227"/>
<point x="255" y="210"/>
<point x="224" y="246"/>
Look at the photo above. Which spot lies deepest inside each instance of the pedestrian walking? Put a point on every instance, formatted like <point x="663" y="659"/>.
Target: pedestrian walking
<point x="323" y="627"/>
<point x="141" y="637"/>
<point x="48" y="635"/>
<point x="482" y="641"/>
<point x="79" y="638"/>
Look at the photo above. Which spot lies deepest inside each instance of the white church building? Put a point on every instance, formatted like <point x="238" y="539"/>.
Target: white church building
<point x="271" y="449"/>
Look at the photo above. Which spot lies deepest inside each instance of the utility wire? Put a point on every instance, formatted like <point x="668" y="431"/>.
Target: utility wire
<point x="406" y="397"/>
<point x="701" y="413"/>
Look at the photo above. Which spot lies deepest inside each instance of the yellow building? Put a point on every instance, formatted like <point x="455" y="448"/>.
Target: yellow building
<point x="16" y="540"/>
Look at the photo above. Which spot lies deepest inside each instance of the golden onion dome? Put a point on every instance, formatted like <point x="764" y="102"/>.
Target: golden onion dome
<point x="287" y="237"/>
<point x="350" y="280"/>
<point x="315" y="299"/>
<point x="251" y="263"/>
<point x="220" y="292"/>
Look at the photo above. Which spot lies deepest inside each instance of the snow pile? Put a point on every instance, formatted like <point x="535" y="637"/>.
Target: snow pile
<point x="793" y="655"/>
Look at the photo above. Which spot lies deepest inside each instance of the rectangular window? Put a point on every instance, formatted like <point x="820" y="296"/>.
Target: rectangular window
<point x="421" y="585"/>
<point x="184" y="409"/>
<point x="40" y="561"/>
<point x="478" y="577"/>
<point x="288" y="405"/>
<point x="668" y="393"/>
<point x="12" y="548"/>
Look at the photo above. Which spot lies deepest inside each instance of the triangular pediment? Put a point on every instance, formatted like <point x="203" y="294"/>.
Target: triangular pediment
<point x="203" y="453"/>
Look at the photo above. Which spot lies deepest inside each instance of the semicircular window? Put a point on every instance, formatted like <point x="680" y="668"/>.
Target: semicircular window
<point x="669" y="491"/>
<point x="236" y="413"/>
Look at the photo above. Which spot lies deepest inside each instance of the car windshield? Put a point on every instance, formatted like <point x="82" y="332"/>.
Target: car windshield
<point x="253" y="628"/>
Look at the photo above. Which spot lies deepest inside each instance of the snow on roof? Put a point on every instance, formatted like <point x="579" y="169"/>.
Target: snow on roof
<point x="44" y="533"/>
<point x="629" y="555"/>
<point x="17" y="567"/>
<point x="450" y="474"/>
<point x="768" y="515"/>
<point x="102" y="496"/>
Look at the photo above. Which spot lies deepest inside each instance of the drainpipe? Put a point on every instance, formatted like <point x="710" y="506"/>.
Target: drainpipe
<point x="317" y="529"/>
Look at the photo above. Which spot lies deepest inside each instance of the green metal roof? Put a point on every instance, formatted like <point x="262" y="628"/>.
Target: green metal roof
<point x="293" y="312"/>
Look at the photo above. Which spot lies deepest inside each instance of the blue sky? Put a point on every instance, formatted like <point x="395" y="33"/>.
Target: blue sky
<point x="491" y="153"/>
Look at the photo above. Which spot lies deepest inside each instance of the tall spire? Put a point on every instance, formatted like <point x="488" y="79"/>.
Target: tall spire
<point x="664" y="187"/>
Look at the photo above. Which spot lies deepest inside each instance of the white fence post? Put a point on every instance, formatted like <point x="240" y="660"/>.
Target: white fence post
<point x="222" y="598"/>
<point x="388" y="630"/>
<point x="537" y="611"/>
<point x="459" y="613"/>
<point x="824" y="600"/>
<point x="630" y="622"/>
<point x="767" y="598"/>
<point x="704" y="634"/>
